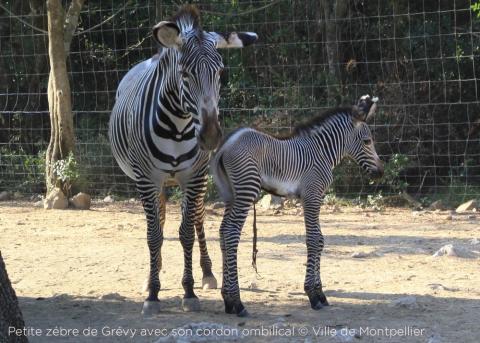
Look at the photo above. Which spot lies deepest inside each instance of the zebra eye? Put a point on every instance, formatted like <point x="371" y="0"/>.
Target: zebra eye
<point x="367" y="141"/>
<point x="184" y="75"/>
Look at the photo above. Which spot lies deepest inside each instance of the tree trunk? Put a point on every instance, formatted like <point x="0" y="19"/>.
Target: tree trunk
<point x="10" y="314"/>
<point x="327" y="13"/>
<point x="62" y="139"/>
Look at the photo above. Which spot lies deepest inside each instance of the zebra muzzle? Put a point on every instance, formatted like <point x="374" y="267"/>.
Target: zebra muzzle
<point x="210" y="134"/>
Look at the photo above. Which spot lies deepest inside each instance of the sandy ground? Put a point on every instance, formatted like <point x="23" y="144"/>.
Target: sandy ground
<point x="65" y="265"/>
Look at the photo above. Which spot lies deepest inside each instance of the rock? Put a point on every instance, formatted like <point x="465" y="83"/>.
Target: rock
<point x="4" y="196"/>
<point x="361" y="254"/>
<point x="270" y="201"/>
<point x="38" y="204"/>
<point x="253" y="285"/>
<point x="218" y="205"/>
<point x="17" y="196"/>
<point x="132" y="200"/>
<point x="82" y="201"/>
<point x="409" y="301"/>
<point x="439" y="286"/>
<point x="474" y="241"/>
<point x="437" y="205"/>
<point x="56" y="200"/>
<point x="453" y="251"/>
<point x="109" y="199"/>
<point x="467" y="206"/>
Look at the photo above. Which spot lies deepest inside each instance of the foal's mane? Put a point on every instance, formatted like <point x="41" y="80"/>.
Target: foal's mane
<point x="317" y="121"/>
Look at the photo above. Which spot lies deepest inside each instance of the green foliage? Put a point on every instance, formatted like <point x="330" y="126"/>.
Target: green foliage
<point x="17" y="165"/>
<point x="67" y="172"/>
<point x="476" y="8"/>
<point x="391" y="177"/>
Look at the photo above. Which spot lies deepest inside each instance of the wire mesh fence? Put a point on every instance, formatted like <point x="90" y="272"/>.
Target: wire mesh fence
<point x="422" y="58"/>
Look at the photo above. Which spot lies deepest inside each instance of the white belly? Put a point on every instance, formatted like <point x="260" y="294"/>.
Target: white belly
<point x="280" y="187"/>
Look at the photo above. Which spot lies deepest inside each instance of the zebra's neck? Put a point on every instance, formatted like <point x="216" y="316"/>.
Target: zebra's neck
<point x="331" y="138"/>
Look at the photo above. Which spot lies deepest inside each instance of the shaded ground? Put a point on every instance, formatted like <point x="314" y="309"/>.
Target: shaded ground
<point x="64" y="264"/>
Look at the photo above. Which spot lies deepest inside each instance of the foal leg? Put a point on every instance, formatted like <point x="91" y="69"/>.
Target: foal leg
<point x="315" y="243"/>
<point x="230" y="232"/>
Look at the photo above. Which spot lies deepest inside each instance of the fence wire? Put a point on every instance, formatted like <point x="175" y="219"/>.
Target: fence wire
<point x="422" y="58"/>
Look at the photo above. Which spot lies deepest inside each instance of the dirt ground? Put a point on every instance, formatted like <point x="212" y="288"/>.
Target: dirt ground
<point x="66" y="267"/>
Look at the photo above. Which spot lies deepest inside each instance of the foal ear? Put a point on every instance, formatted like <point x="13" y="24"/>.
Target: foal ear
<point x="234" y="39"/>
<point x="167" y="34"/>
<point x="365" y="108"/>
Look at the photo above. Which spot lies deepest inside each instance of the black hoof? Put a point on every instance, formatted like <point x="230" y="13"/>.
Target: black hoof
<point x="317" y="306"/>
<point x="234" y="305"/>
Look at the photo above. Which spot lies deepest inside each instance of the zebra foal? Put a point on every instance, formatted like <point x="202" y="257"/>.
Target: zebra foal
<point x="165" y="122"/>
<point x="301" y="166"/>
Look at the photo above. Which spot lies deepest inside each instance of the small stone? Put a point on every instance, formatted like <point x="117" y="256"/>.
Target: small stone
<point x="56" y="200"/>
<point x="4" y="196"/>
<point x="109" y="199"/>
<point x="361" y="254"/>
<point x="218" y="205"/>
<point x="253" y="285"/>
<point x="472" y="216"/>
<point x="38" y="204"/>
<point x="17" y="196"/>
<point x="82" y="201"/>
<point x="474" y="241"/>
<point x="409" y="301"/>
<point x="467" y="206"/>
<point x="417" y="213"/>
<point x="132" y="200"/>
<point x="453" y="251"/>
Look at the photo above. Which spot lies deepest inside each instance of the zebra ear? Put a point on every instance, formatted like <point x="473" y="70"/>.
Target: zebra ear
<point x="167" y="34"/>
<point x="365" y="108"/>
<point x="234" y="39"/>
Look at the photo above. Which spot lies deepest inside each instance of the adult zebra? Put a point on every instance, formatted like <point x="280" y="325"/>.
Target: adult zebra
<point x="299" y="166"/>
<point x="165" y="122"/>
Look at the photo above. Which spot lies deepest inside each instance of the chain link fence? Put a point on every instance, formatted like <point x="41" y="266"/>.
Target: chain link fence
<point x="422" y="58"/>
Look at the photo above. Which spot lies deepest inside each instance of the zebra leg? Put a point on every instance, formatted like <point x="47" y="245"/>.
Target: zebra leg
<point x="230" y="232"/>
<point x="190" y="301"/>
<point x="208" y="280"/>
<point x="228" y="307"/>
<point x="149" y="197"/>
<point x="315" y="243"/>
<point x="162" y="205"/>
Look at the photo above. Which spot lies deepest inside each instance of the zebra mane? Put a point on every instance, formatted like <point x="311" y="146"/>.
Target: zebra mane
<point x="187" y="18"/>
<point x="320" y="119"/>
